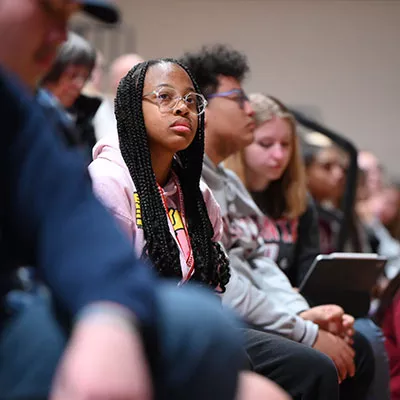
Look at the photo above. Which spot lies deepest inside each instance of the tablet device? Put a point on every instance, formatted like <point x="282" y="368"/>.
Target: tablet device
<point x="345" y="279"/>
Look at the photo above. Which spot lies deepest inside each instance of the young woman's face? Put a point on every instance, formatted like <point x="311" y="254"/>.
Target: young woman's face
<point x="271" y="150"/>
<point x="326" y="175"/>
<point x="68" y="88"/>
<point x="171" y="130"/>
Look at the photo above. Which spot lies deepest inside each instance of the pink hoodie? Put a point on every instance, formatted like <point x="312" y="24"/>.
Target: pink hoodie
<point x="114" y="187"/>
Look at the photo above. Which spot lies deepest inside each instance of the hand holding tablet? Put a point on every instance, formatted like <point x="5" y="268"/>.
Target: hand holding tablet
<point x="345" y="279"/>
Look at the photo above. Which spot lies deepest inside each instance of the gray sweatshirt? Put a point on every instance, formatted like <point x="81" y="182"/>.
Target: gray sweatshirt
<point x="258" y="290"/>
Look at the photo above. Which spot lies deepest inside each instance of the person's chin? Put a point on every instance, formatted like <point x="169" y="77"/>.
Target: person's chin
<point x="71" y="98"/>
<point x="67" y="104"/>
<point x="247" y="139"/>
<point x="275" y="174"/>
<point x="180" y="143"/>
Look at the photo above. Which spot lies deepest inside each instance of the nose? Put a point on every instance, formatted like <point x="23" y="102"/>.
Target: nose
<point x="181" y="108"/>
<point x="338" y="173"/>
<point x="277" y="152"/>
<point x="248" y="109"/>
<point x="79" y="83"/>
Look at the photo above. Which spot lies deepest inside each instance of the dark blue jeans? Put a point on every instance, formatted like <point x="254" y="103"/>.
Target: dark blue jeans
<point x="380" y="384"/>
<point x="200" y="351"/>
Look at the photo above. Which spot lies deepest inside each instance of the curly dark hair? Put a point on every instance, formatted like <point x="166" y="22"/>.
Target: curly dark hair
<point x="212" y="61"/>
<point x="211" y="263"/>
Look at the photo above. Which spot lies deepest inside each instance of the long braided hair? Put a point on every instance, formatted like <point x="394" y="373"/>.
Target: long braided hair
<point x="211" y="263"/>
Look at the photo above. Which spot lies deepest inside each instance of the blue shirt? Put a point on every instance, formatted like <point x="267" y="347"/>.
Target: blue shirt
<point x="49" y="217"/>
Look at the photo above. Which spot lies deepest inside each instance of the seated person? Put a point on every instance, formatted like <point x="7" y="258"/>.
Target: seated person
<point x="258" y="289"/>
<point x="326" y="166"/>
<point x="273" y="171"/>
<point x="150" y="180"/>
<point x="378" y="214"/>
<point x="61" y="92"/>
<point x="389" y="213"/>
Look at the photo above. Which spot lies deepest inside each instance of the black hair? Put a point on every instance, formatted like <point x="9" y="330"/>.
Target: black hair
<point x="211" y="263"/>
<point x="309" y="151"/>
<point x="75" y="51"/>
<point x="211" y="62"/>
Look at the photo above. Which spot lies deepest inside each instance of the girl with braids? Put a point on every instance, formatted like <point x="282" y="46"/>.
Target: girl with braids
<point x="150" y="180"/>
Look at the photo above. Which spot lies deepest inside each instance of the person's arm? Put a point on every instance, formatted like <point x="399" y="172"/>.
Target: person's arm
<point x="53" y="216"/>
<point x="265" y="297"/>
<point x="258" y="289"/>
<point x="103" y="353"/>
<point x="50" y="217"/>
<point x="307" y="246"/>
<point x="261" y="309"/>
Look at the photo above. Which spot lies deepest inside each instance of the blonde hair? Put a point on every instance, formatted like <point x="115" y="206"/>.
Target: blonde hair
<point x="286" y="197"/>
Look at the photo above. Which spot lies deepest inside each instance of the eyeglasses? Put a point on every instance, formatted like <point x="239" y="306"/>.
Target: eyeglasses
<point x="239" y="96"/>
<point x="168" y="98"/>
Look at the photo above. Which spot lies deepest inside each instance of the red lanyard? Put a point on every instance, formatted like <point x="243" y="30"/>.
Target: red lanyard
<point x="190" y="257"/>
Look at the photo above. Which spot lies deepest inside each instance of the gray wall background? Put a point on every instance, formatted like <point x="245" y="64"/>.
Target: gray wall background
<point x="338" y="59"/>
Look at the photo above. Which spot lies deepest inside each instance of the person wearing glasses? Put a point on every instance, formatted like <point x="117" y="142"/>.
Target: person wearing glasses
<point x="150" y="180"/>
<point x="128" y="335"/>
<point x="149" y="177"/>
<point x="285" y="339"/>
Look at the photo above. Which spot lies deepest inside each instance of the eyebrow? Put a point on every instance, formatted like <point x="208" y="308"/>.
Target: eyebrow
<point x="188" y="89"/>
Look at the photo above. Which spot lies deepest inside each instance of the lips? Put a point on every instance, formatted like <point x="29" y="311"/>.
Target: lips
<point x="181" y="125"/>
<point x="181" y="122"/>
<point x="251" y="126"/>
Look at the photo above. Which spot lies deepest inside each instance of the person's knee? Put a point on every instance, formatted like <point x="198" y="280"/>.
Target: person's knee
<point x="380" y="385"/>
<point x="199" y="313"/>
<point x="195" y="330"/>
<point x="31" y="345"/>
<point x="300" y="370"/>
<point x="364" y="359"/>
<point x="320" y="365"/>
<point x="374" y="335"/>
<point x="370" y="331"/>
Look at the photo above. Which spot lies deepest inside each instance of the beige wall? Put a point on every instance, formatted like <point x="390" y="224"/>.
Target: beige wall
<point x="339" y="58"/>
